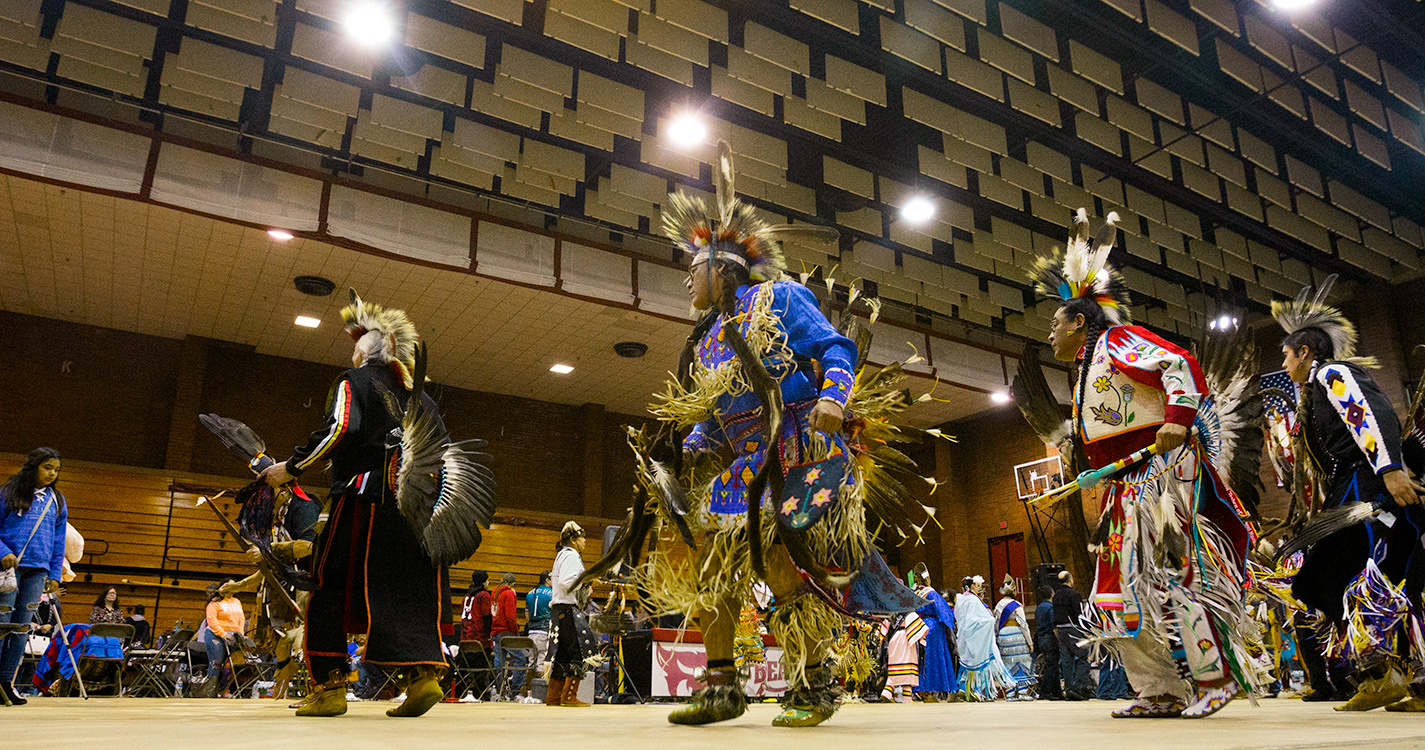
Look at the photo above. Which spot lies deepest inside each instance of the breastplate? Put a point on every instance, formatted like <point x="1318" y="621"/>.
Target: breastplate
<point x="1114" y="403"/>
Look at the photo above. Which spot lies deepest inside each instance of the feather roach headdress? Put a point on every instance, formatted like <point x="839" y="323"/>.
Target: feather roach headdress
<point x="731" y="230"/>
<point x="397" y="335"/>
<point x="1083" y="271"/>
<point x="1308" y="311"/>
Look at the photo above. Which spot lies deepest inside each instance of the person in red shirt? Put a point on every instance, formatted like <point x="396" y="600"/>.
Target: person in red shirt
<point x="476" y="615"/>
<point x="504" y="623"/>
<point x="476" y="619"/>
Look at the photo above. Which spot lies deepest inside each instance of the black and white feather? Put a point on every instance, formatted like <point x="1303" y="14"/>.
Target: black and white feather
<point x="1229" y="420"/>
<point x="239" y="439"/>
<point x="444" y="489"/>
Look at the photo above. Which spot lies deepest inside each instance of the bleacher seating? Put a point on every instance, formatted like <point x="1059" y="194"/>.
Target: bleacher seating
<point x="146" y="535"/>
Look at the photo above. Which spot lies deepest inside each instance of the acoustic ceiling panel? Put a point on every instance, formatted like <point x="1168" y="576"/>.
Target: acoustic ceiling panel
<point x="842" y="14"/>
<point x="444" y="40"/>
<point x="937" y="22"/>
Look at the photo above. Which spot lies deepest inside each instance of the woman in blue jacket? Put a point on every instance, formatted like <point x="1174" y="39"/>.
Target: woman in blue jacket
<point x="32" y="526"/>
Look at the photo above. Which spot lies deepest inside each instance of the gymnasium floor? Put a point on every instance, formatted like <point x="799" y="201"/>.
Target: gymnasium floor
<point x="248" y="724"/>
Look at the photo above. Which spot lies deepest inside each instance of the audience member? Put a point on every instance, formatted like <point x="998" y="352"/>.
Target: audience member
<point x="32" y="523"/>
<point x="142" y="628"/>
<point x="1047" y="646"/>
<point x="536" y="612"/>
<point x="107" y="610"/>
<point x="477" y="613"/>
<point x="476" y="620"/>
<point x="1073" y="658"/>
<point x="1113" y="681"/>
<point x="226" y="621"/>
<point x="504" y="622"/>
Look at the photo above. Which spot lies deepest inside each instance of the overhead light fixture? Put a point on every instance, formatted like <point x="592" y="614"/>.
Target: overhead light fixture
<point x="281" y="235"/>
<point x="630" y="349"/>
<point x="307" y="322"/>
<point x="314" y="286"/>
<point x="687" y="130"/>
<point x="1224" y="322"/>
<point x="1000" y="397"/>
<point x="1292" y="4"/>
<point x="561" y="369"/>
<point x="918" y="210"/>
<point x="369" y="23"/>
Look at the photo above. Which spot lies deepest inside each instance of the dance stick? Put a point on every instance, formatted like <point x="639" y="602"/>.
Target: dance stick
<point x="271" y="578"/>
<point x="1090" y="478"/>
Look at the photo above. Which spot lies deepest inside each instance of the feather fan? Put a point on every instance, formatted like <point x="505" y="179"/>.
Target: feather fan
<point x="444" y="490"/>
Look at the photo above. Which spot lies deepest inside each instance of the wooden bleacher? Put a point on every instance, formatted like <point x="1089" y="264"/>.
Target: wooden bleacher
<point x="146" y="535"/>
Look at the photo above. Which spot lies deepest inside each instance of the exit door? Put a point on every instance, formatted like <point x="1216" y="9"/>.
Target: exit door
<point x="1007" y="556"/>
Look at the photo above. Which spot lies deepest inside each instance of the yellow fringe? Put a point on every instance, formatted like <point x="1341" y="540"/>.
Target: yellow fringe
<point x="685" y="407"/>
<point x="805" y="628"/>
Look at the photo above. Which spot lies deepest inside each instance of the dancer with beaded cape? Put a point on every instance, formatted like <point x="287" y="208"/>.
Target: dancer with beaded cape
<point x="1172" y="538"/>
<point x="1364" y="579"/>
<point x="768" y="379"/>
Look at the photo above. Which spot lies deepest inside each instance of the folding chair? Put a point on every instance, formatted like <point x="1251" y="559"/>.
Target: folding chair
<point x="371" y="690"/>
<point x="153" y="666"/>
<point x="91" y="663"/>
<point x="513" y="643"/>
<point x="473" y="670"/>
<point x="248" y="669"/>
<point x="197" y="655"/>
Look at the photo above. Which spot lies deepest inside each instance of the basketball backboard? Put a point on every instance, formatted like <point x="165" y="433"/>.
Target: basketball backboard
<point x="1037" y="477"/>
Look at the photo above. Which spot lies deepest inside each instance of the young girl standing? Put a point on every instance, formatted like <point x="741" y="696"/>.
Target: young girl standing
<point x="32" y="524"/>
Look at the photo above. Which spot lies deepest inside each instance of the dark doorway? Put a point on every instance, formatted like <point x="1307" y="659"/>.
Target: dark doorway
<point x="1006" y="556"/>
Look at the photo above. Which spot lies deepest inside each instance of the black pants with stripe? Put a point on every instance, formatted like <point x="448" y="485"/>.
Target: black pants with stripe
<point x="374" y="578"/>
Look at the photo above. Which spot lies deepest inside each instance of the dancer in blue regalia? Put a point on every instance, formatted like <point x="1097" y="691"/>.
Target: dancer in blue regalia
<point x="937" y="673"/>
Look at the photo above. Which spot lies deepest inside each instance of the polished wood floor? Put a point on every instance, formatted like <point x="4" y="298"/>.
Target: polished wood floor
<point x="248" y="724"/>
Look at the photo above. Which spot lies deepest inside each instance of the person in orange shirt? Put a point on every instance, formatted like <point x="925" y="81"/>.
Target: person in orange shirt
<point x="225" y="626"/>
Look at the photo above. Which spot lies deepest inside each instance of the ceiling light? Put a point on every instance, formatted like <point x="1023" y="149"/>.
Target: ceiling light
<point x="630" y="349"/>
<point x="281" y="235"/>
<point x="1000" y="397"/>
<point x="314" y="286"/>
<point x="918" y="210"/>
<point x="1292" y="4"/>
<point x="687" y="130"/>
<point x="306" y="322"/>
<point x="561" y="369"/>
<point x="369" y="23"/>
<point x="1224" y="322"/>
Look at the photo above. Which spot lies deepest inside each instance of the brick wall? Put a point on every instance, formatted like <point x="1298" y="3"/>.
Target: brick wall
<point x="98" y="392"/>
<point x="116" y="405"/>
<point x="979" y="494"/>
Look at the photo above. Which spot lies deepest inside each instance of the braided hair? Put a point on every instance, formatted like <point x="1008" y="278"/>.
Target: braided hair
<point x="1095" y="323"/>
